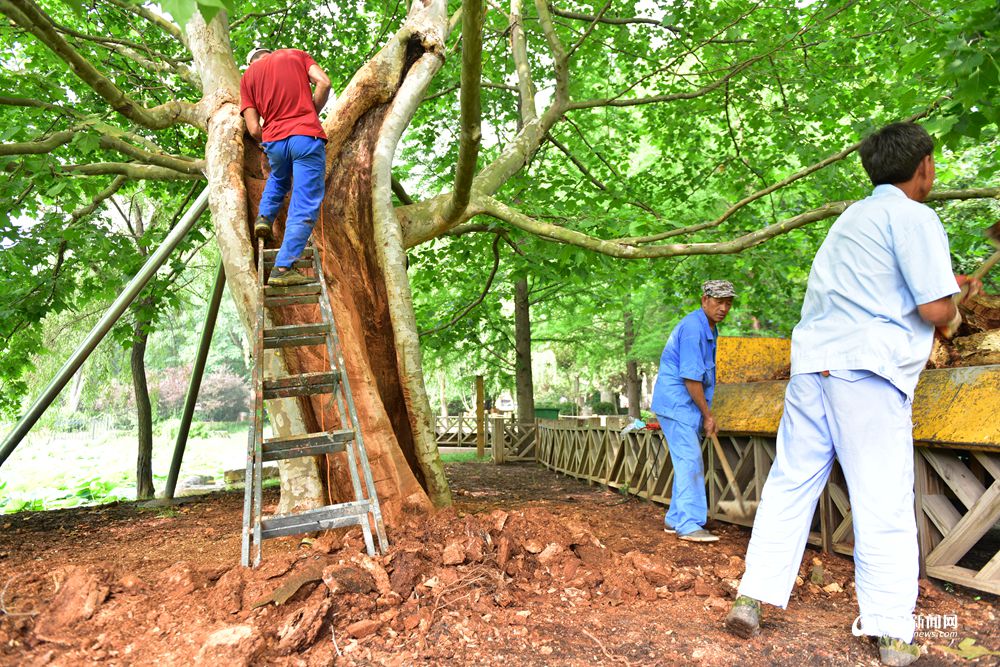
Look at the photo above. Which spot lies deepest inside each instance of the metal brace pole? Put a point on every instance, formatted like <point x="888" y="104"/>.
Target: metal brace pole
<point x="195" y="383"/>
<point x="101" y="329"/>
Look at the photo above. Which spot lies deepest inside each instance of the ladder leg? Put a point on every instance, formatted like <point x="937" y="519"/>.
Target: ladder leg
<point x="366" y="530"/>
<point x="257" y="493"/>
<point x="247" y="507"/>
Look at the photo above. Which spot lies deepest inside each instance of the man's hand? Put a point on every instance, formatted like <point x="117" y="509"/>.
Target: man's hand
<point x="252" y="119"/>
<point x="322" y="92"/>
<point x="949" y="330"/>
<point x="711" y="428"/>
<point x="969" y="286"/>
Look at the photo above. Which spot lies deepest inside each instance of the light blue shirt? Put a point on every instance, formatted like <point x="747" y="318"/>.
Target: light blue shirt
<point x="883" y="257"/>
<point x="688" y="355"/>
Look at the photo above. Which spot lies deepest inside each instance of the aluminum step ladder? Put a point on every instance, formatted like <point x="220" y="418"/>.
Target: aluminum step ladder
<point x="364" y="509"/>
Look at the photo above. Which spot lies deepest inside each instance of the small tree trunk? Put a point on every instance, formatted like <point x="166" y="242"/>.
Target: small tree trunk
<point x="144" y="415"/>
<point x="76" y="391"/>
<point x="522" y="352"/>
<point x="632" y="387"/>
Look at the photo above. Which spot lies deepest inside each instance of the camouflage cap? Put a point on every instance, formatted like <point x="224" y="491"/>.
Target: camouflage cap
<point x="718" y="289"/>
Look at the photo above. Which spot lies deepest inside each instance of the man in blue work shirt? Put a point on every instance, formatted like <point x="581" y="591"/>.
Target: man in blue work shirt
<point x="682" y="401"/>
<point x="879" y="285"/>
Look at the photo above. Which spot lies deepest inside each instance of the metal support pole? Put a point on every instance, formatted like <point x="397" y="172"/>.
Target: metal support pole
<point x="101" y="329"/>
<point x="195" y="384"/>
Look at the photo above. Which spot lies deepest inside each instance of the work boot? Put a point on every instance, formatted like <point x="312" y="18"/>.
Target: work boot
<point x="896" y="652"/>
<point x="744" y="618"/>
<point x="287" y="278"/>
<point x="700" y="535"/>
<point x="262" y="228"/>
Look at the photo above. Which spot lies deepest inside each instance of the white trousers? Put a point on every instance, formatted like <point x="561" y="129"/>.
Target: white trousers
<point x="866" y="424"/>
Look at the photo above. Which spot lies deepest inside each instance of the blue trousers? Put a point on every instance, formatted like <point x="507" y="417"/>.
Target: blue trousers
<point x="866" y="424"/>
<point x="298" y="163"/>
<point x="688" y="505"/>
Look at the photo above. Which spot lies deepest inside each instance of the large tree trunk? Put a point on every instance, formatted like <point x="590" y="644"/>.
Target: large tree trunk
<point x="522" y="353"/>
<point x="387" y="384"/>
<point x="632" y="388"/>
<point x="144" y="489"/>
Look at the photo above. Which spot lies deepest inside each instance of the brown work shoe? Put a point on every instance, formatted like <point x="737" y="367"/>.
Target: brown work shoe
<point x="262" y="228"/>
<point x="744" y="617"/>
<point x="700" y="535"/>
<point x="288" y="278"/>
<point x="896" y="652"/>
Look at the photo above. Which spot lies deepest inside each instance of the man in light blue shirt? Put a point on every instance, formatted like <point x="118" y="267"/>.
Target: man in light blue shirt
<point x="879" y="285"/>
<point x="682" y="400"/>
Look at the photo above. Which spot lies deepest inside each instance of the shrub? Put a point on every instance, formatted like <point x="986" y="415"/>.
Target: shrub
<point x="223" y="396"/>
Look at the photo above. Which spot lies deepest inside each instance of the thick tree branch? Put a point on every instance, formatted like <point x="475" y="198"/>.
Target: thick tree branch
<point x="56" y="139"/>
<point x="618" y="248"/>
<point x="559" y="57"/>
<point x="39" y="146"/>
<point x="471" y="107"/>
<point x="519" y="52"/>
<point x="129" y="170"/>
<point x="29" y="16"/>
<point x="478" y="300"/>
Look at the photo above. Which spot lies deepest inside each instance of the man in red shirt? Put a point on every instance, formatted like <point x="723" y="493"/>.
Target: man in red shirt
<point x="276" y="91"/>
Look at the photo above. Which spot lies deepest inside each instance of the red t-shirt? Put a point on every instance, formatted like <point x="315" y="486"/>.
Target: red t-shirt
<point x="277" y="86"/>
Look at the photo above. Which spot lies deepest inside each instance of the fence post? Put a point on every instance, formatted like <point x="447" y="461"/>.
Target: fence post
<point x="497" y="439"/>
<point x="480" y="418"/>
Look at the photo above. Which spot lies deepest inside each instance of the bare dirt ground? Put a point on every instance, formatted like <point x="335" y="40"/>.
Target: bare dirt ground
<point x="527" y="568"/>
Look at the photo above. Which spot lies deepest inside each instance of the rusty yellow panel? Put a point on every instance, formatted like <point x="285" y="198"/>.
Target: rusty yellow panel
<point x="957" y="407"/>
<point x="740" y="359"/>
<point x="751" y="408"/>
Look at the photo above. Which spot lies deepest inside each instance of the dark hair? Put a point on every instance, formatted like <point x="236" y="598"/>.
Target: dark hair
<point x="892" y="154"/>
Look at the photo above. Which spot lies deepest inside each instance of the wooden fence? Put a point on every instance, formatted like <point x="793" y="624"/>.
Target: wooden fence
<point x="957" y="491"/>
<point x="455" y="431"/>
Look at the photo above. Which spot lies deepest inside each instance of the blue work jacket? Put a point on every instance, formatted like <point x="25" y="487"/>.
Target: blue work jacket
<point x="688" y="355"/>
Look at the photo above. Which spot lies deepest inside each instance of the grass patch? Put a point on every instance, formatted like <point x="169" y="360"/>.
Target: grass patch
<point x="461" y="457"/>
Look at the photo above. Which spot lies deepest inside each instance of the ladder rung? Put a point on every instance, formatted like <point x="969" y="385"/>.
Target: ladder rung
<point x="324" y="518"/>
<point x="292" y="290"/>
<point x="297" y="264"/>
<point x="270" y="254"/>
<point x="313" y="444"/>
<point x="295" y="334"/>
<point x="301" y="385"/>
<point x="277" y="301"/>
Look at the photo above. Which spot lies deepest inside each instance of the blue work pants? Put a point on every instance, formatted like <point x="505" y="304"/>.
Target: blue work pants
<point x="688" y="505"/>
<point x="866" y="424"/>
<point x="298" y="163"/>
